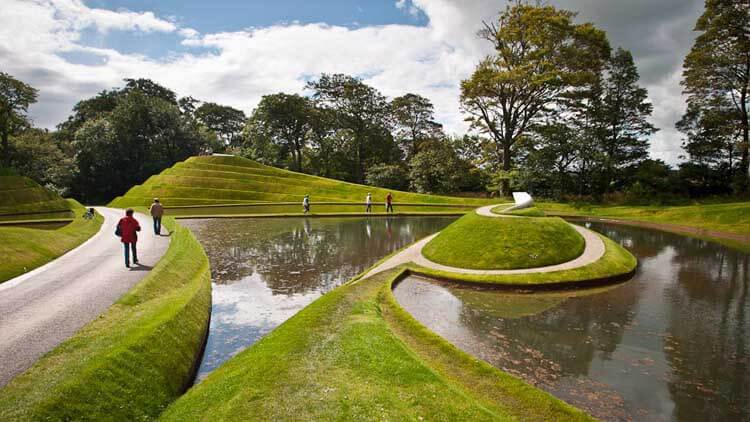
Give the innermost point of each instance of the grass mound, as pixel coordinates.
(486, 243)
(24, 249)
(524, 212)
(213, 180)
(354, 354)
(132, 361)
(23, 199)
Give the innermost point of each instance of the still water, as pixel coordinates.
(671, 344)
(265, 270)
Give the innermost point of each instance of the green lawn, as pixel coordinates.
(23, 199)
(355, 354)
(24, 249)
(487, 243)
(132, 361)
(235, 180)
(524, 212)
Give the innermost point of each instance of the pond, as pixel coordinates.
(265, 270)
(670, 344)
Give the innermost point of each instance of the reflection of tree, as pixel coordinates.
(646, 243)
(708, 327)
(300, 255)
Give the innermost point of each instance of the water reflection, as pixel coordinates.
(265, 270)
(671, 344)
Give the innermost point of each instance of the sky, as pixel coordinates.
(234, 52)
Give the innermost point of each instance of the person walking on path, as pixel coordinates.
(389, 203)
(127, 228)
(157, 211)
(368, 202)
(306, 204)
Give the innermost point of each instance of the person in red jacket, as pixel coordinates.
(128, 227)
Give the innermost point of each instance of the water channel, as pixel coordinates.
(671, 344)
(265, 270)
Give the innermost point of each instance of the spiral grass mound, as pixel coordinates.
(486, 243)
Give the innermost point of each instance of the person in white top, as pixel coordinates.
(306, 204)
(368, 201)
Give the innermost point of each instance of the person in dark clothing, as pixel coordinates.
(128, 227)
(157, 211)
(389, 203)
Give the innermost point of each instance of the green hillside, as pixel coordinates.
(23, 199)
(250, 187)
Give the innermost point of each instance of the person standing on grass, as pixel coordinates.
(389, 203)
(127, 228)
(306, 204)
(368, 202)
(157, 211)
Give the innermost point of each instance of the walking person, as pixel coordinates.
(368, 202)
(389, 203)
(157, 211)
(127, 229)
(306, 204)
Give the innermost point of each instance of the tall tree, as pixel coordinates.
(414, 119)
(227, 122)
(717, 70)
(540, 55)
(285, 121)
(15, 99)
(363, 111)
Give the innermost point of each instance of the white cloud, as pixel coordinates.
(237, 68)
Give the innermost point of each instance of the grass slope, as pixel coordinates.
(132, 361)
(23, 199)
(354, 354)
(24, 249)
(487, 243)
(234, 180)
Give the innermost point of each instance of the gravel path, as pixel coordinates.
(593, 251)
(44, 307)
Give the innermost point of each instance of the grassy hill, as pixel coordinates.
(23, 199)
(240, 185)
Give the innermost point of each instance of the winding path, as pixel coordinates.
(44, 307)
(592, 252)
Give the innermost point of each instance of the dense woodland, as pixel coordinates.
(556, 111)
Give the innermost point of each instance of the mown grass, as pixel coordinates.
(616, 263)
(21, 195)
(227, 180)
(132, 361)
(24, 249)
(486, 243)
(524, 212)
(355, 355)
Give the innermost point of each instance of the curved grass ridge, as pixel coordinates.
(354, 354)
(133, 360)
(22, 198)
(486, 243)
(616, 264)
(23, 249)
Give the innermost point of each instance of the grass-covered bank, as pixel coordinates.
(502, 243)
(728, 223)
(133, 360)
(23, 199)
(354, 355)
(26, 248)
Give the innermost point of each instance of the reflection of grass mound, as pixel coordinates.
(235, 180)
(23, 199)
(487, 243)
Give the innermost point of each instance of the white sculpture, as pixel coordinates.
(522, 200)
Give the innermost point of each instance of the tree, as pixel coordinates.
(37, 155)
(540, 55)
(285, 121)
(227, 122)
(15, 99)
(391, 176)
(436, 168)
(717, 71)
(414, 120)
(150, 89)
(361, 110)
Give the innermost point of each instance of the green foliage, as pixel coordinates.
(225, 121)
(389, 176)
(133, 360)
(38, 155)
(436, 168)
(15, 99)
(488, 243)
(414, 119)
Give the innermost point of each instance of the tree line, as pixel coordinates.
(555, 110)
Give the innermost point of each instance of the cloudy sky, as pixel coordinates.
(233, 52)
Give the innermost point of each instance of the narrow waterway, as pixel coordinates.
(265, 270)
(671, 344)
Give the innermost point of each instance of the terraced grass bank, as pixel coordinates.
(132, 361)
(354, 354)
(486, 243)
(23, 199)
(219, 185)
